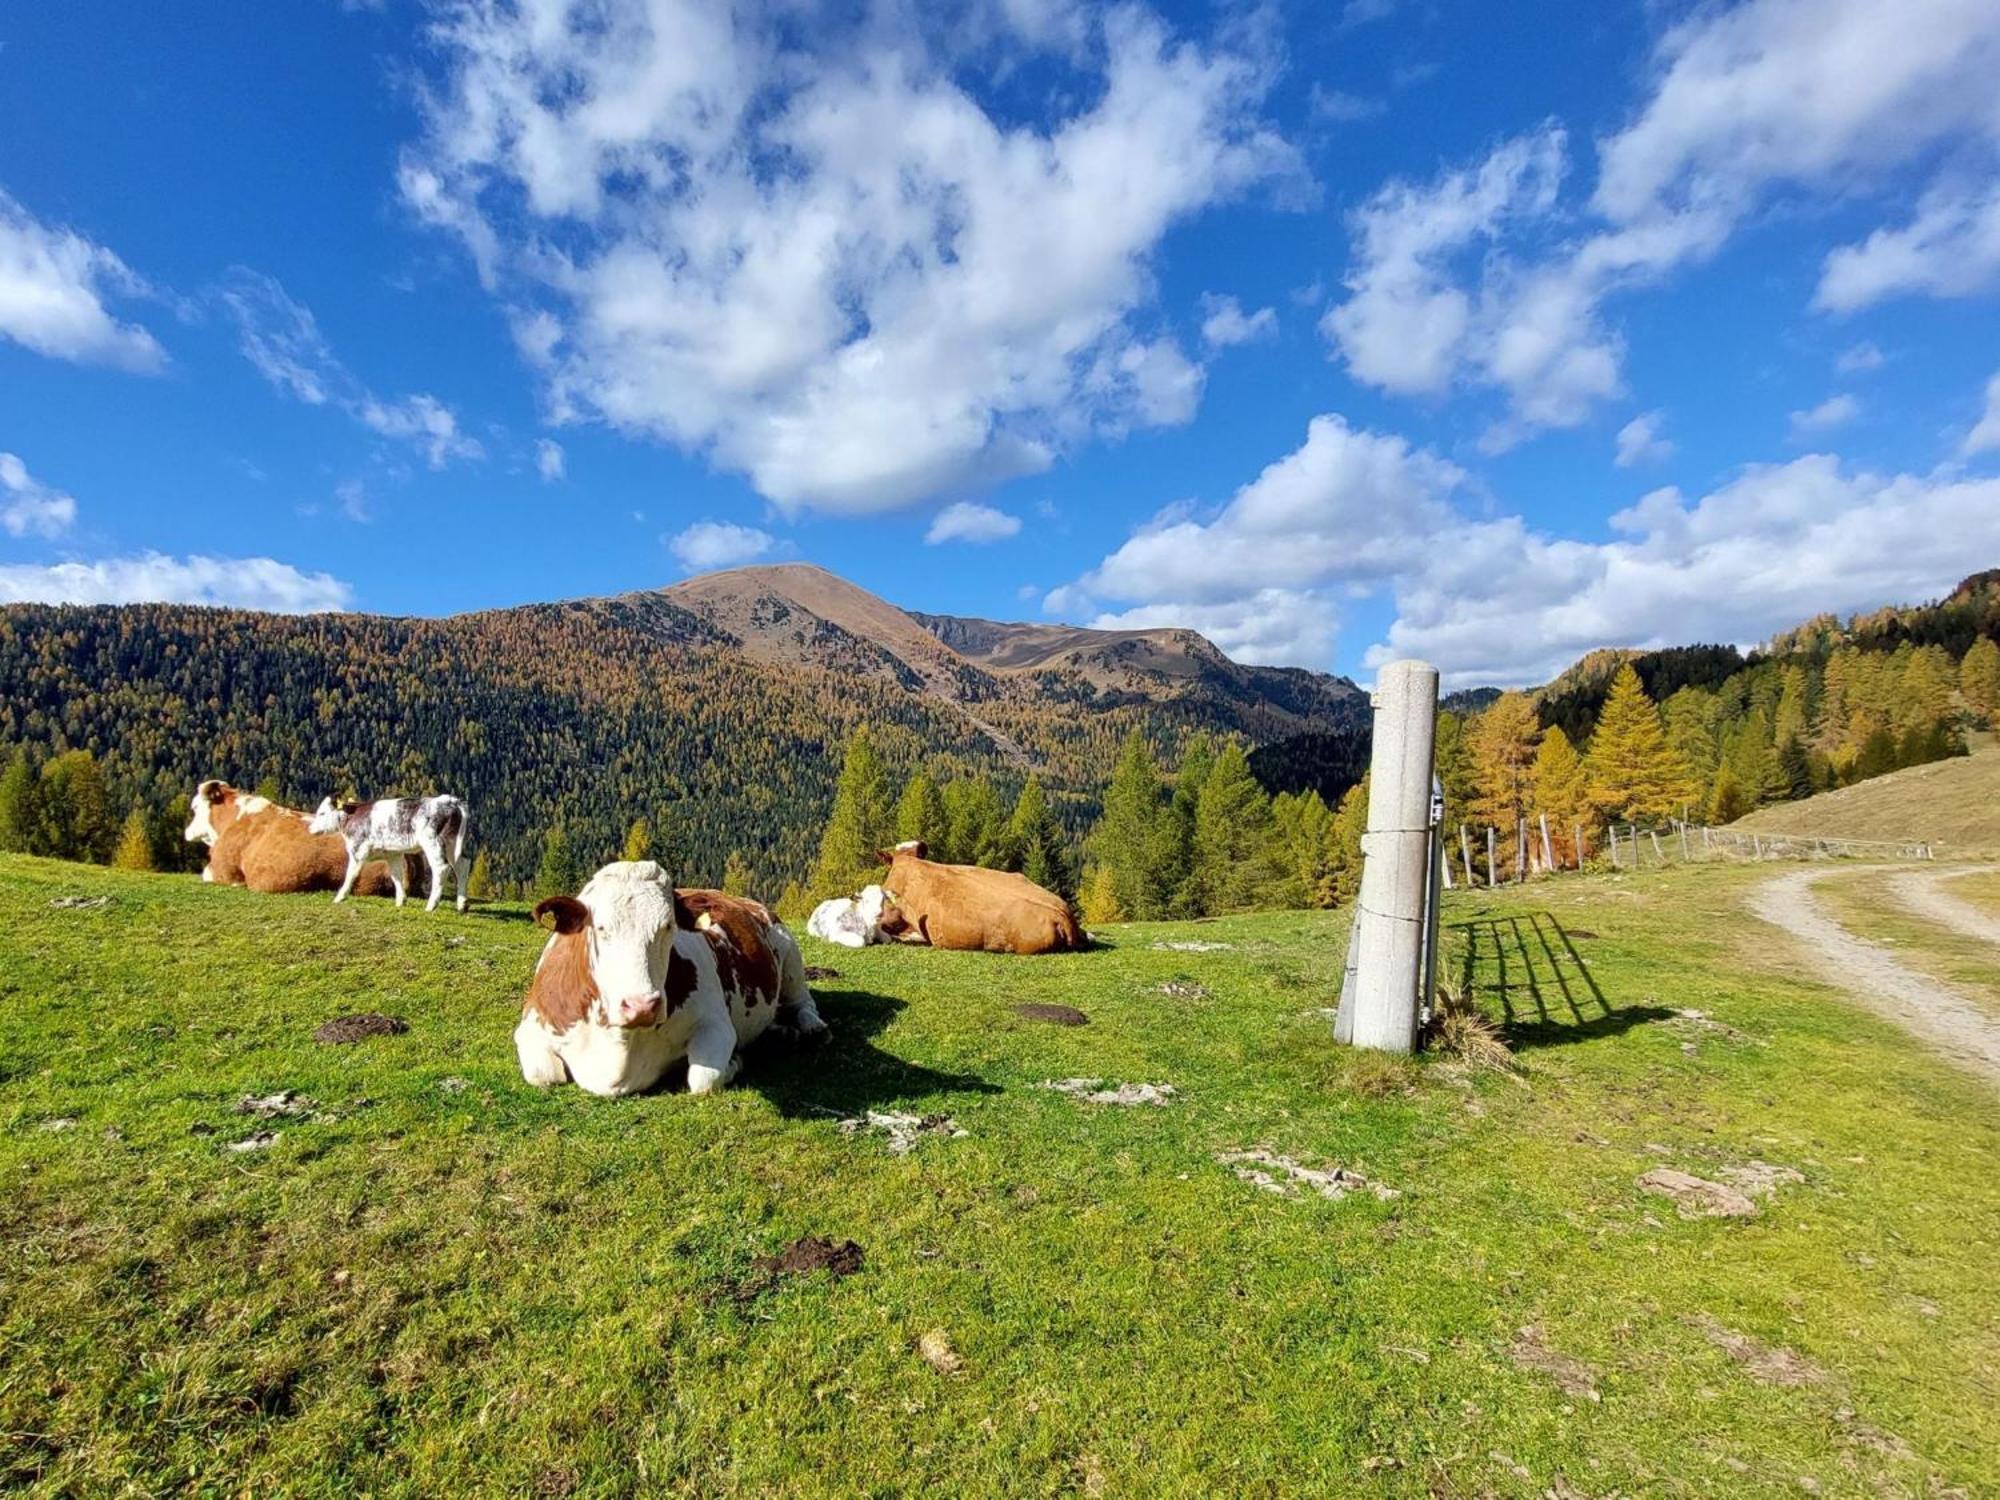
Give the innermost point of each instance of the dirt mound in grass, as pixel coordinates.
(343, 1029)
(1055, 1015)
(805, 1255)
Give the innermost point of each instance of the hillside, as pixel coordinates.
(1953, 804)
(716, 708)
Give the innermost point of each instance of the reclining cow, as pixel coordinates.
(253, 841)
(970, 907)
(638, 975)
(436, 827)
(851, 921)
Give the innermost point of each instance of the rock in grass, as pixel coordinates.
(903, 1130)
(1263, 1168)
(1055, 1015)
(1093, 1091)
(282, 1104)
(263, 1140)
(344, 1029)
(1697, 1196)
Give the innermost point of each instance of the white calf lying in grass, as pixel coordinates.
(851, 921)
(438, 827)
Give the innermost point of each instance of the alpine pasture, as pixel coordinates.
(240, 1259)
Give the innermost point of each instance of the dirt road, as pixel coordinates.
(1922, 891)
(1872, 976)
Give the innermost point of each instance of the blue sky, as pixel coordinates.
(1337, 331)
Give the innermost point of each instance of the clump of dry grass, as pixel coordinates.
(1460, 1030)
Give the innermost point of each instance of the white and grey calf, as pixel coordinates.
(436, 827)
(638, 975)
(851, 921)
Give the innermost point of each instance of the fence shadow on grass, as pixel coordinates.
(1527, 967)
(847, 1073)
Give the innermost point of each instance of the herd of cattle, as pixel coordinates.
(636, 975)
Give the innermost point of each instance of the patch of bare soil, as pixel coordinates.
(1092, 1091)
(1191, 946)
(1922, 891)
(1265, 1169)
(1761, 1361)
(80, 903)
(1923, 1006)
(1697, 1196)
(1760, 1179)
(1530, 1350)
(1055, 1015)
(344, 1029)
(804, 1256)
(904, 1131)
(817, 972)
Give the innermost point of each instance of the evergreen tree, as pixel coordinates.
(559, 873)
(1125, 841)
(1729, 801)
(1456, 769)
(1036, 833)
(860, 823)
(1308, 850)
(1562, 792)
(1174, 836)
(737, 876)
(75, 815)
(479, 884)
(1634, 772)
(135, 843)
(1795, 767)
(638, 841)
(1690, 717)
(1751, 755)
(922, 814)
(977, 819)
(1979, 680)
(20, 814)
(1789, 720)
(1231, 870)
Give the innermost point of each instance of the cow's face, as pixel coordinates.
(325, 818)
(869, 906)
(626, 916)
(211, 809)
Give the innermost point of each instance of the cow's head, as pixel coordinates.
(911, 848)
(326, 817)
(211, 809)
(869, 906)
(614, 941)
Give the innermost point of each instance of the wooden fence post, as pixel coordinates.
(1492, 869)
(1578, 832)
(1465, 853)
(1548, 849)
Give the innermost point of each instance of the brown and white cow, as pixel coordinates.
(968, 906)
(255, 842)
(638, 975)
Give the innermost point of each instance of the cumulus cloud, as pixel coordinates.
(718, 544)
(1483, 278)
(1354, 515)
(1835, 411)
(281, 339)
(967, 521)
(151, 578)
(813, 253)
(27, 506)
(549, 459)
(53, 287)
(1985, 434)
(1639, 442)
(1224, 324)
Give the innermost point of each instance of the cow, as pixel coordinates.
(851, 921)
(970, 907)
(637, 975)
(255, 842)
(438, 827)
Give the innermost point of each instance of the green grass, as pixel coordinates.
(486, 1289)
(1953, 804)
(1863, 904)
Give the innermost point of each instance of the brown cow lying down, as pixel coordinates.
(967, 906)
(253, 841)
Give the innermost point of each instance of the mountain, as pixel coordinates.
(716, 708)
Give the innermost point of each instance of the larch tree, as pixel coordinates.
(75, 813)
(861, 821)
(1562, 792)
(738, 879)
(479, 884)
(1634, 773)
(20, 818)
(1504, 741)
(977, 820)
(1979, 680)
(1350, 821)
(135, 843)
(638, 841)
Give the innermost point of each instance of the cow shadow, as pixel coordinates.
(847, 1074)
(1528, 968)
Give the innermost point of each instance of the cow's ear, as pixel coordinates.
(348, 807)
(216, 790)
(917, 849)
(684, 915)
(886, 856)
(562, 914)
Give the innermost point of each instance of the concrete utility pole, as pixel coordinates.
(1396, 873)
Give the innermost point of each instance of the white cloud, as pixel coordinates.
(27, 506)
(967, 521)
(1827, 95)
(1858, 359)
(833, 269)
(282, 341)
(548, 459)
(1985, 434)
(1639, 442)
(352, 497)
(1225, 324)
(150, 578)
(1354, 515)
(1835, 411)
(1950, 248)
(718, 544)
(1337, 106)
(53, 285)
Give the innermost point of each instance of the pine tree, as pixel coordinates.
(1035, 832)
(638, 841)
(1174, 835)
(1232, 837)
(1634, 772)
(1562, 792)
(860, 823)
(135, 843)
(559, 873)
(1456, 769)
(1795, 767)
(1125, 841)
(1307, 850)
(737, 877)
(479, 884)
(75, 814)
(922, 814)
(20, 816)
(1979, 680)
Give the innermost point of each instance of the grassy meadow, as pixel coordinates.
(436, 1280)
(1954, 804)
